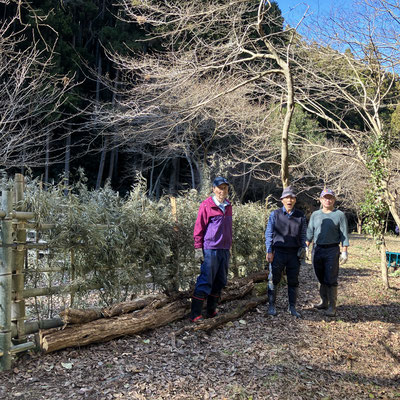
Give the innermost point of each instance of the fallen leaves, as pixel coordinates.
(255, 357)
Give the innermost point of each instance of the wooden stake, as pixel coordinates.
(18, 306)
(6, 282)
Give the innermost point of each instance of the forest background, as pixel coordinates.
(180, 92)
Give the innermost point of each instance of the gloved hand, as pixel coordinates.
(301, 253)
(343, 257)
(198, 255)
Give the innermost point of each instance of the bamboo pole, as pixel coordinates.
(72, 294)
(6, 282)
(47, 291)
(18, 305)
(173, 284)
(35, 326)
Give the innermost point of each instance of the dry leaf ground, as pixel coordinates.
(353, 356)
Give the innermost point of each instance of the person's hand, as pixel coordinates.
(198, 255)
(343, 257)
(270, 257)
(301, 253)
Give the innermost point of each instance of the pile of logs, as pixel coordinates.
(83, 327)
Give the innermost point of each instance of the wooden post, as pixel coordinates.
(72, 277)
(173, 284)
(6, 282)
(18, 305)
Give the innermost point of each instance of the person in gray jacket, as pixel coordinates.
(328, 230)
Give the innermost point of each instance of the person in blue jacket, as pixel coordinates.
(212, 241)
(285, 238)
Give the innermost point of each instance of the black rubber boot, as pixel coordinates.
(332, 298)
(197, 307)
(212, 302)
(272, 300)
(323, 292)
(292, 293)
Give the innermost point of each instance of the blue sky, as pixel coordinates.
(293, 10)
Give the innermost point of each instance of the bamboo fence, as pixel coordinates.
(15, 223)
(13, 327)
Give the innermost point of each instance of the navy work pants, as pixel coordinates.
(284, 259)
(213, 273)
(326, 264)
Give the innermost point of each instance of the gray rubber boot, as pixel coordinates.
(323, 292)
(332, 298)
(292, 293)
(271, 300)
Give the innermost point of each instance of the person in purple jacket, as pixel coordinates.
(212, 243)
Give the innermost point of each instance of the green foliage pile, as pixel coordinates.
(125, 246)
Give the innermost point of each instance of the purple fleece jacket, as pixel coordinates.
(213, 228)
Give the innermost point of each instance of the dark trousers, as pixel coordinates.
(284, 259)
(213, 272)
(326, 264)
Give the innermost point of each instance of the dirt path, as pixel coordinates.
(353, 356)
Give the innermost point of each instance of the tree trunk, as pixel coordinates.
(150, 183)
(101, 164)
(157, 183)
(391, 203)
(67, 164)
(384, 269)
(98, 87)
(173, 177)
(114, 149)
(191, 169)
(359, 224)
(47, 162)
(286, 72)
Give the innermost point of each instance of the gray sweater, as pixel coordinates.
(328, 228)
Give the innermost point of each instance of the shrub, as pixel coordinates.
(123, 246)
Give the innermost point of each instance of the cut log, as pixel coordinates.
(106, 329)
(159, 312)
(237, 290)
(133, 305)
(76, 316)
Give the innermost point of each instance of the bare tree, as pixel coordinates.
(350, 83)
(31, 97)
(207, 51)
